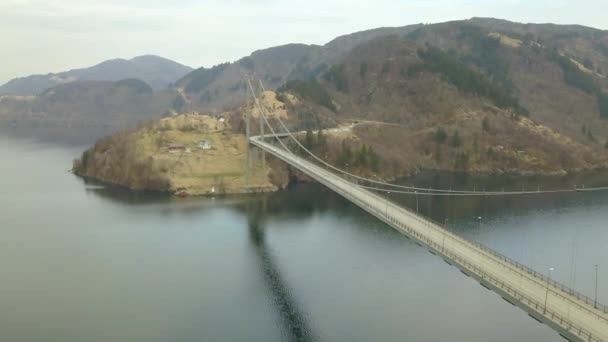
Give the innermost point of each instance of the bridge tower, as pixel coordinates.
(261, 110)
(263, 155)
(247, 133)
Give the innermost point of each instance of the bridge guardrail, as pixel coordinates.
(544, 278)
(531, 303)
(582, 297)
(566, 324)
(601, 307)
(528, 301)
(540, 278)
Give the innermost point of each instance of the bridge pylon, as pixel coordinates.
(252, 90)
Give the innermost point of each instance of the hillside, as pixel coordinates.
(156, 71)
(557, 73)
(464, 97)
(198, 154)
(221, 87)
(168, 156)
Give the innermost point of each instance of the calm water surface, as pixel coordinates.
(83, 262)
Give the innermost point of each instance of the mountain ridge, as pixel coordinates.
(157, 71)
(499, 58)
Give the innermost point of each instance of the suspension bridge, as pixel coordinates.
(574, 316)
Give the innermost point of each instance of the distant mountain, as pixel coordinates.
(156, 71)
(417, 76)
(88, 110)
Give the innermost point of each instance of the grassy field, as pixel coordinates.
(220, 169)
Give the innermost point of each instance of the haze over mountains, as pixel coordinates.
(156, 71)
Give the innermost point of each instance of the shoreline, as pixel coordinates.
(419, 178)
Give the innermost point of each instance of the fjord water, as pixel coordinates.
(85, 262)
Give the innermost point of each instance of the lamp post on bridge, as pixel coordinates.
(387, 193)
(443, 240)
(416, 192)
(479, 219)
(595, 302)
(547, 293)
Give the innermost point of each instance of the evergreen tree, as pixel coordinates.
(362, 156)
(440, 135)
(345, 158)
(363, 69)
(374, 160)
(321, 139)
(485, 124)
(309, 140)
(461, 162)
(456, 141)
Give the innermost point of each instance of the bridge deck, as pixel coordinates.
(570, 316)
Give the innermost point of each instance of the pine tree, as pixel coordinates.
(456, 141)
(309, 139)
(485, 124)
(440, 135)
(362, 156)
(374, 160)
(321, 140)
(346, 155)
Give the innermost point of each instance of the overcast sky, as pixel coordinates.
(41, 36)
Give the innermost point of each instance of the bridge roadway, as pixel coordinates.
(571, 317)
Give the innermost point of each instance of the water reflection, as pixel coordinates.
(311, 198)
(518, 226)
(283, 206)
(123, 195)
(295, 324)
(461, 208)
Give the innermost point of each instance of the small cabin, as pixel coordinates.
(175, 148)
(204, 145)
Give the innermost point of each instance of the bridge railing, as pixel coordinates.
(540, 308)
(541, 279)
(544, 278)
(526, 300)
(582, 297)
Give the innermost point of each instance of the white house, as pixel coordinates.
(204, 145)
